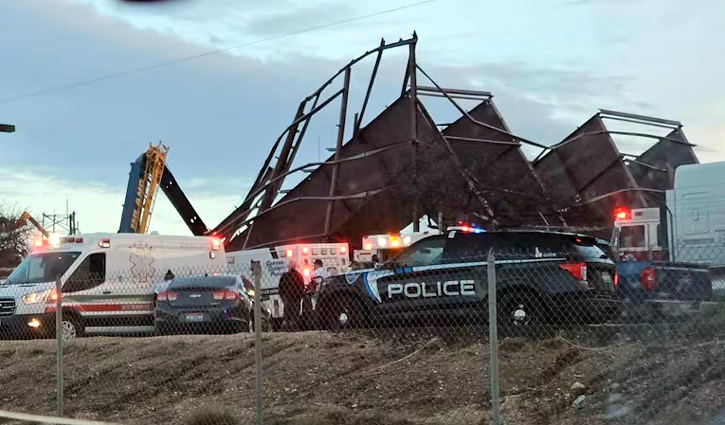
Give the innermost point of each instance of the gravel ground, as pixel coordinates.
(329, 379)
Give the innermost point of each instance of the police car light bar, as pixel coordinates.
(466, 229)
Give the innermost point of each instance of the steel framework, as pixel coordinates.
(345, 196)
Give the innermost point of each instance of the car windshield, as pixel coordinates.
(39, 268)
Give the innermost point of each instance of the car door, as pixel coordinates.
(407, 285)
(83, 292)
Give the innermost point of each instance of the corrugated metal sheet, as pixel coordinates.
(512, 189)
(586, 165)
(294, 217)
(665, 156)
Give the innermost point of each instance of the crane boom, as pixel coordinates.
(143, 184)
(27, 217)
(148, 173)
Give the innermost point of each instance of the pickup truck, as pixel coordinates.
(661, 288)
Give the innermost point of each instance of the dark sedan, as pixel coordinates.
(205, 303)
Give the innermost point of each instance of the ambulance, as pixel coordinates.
(385, 246)
(107, 281)
(274, 261)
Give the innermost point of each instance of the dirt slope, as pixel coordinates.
(328, 379)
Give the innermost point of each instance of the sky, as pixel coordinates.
(89, 84)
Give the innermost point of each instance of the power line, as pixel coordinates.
(205, 54)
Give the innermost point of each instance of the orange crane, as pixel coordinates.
(25, 217)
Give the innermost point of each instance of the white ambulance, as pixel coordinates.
(385, 246)
(107, 281)
(274, 262)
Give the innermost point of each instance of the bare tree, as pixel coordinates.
(14, 235)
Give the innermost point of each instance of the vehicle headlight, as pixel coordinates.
(250, 292)
(36, 297)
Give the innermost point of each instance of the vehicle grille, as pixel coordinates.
(7, 307)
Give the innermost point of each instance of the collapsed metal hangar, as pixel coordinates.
(380, 177)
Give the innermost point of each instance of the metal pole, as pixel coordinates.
(257, 273)
(59, 344)
(493, 338)
(338, 149)
(414, 129)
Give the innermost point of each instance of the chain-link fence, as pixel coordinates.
(460, 328)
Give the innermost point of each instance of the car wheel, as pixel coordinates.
(344, 313)
(519, 314)
(276, 324)
(72, 327)
(161, 330)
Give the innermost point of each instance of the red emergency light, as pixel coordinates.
(216, 244)
(622, 213)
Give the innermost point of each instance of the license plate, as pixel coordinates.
(194, 317)
(607, 277)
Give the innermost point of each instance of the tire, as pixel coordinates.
(266, 326)
(519, 314)
(344, 313)
(276, 324)
(72, 327)
(161, 330)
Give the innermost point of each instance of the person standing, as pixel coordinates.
(291, 290)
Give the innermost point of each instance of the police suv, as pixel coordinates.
(540, 277)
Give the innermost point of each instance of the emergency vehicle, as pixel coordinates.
(672, 253)
(275, 261)
(107, 281)
(385, 246)
(689, 227)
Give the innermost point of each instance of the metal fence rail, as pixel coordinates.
(10, 417)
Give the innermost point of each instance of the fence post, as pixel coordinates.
(257, 273)
(493, 338)
(59, 344)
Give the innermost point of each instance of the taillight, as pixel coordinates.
(648, 279)
(53, 296)
(306, 272)
(578, 270)
(616, 279)
(167, 296)
(225, 295)
(343, 250)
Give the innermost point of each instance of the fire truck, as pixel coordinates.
(671, 253)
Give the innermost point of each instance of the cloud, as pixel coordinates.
(297, 19)
(98, 206)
